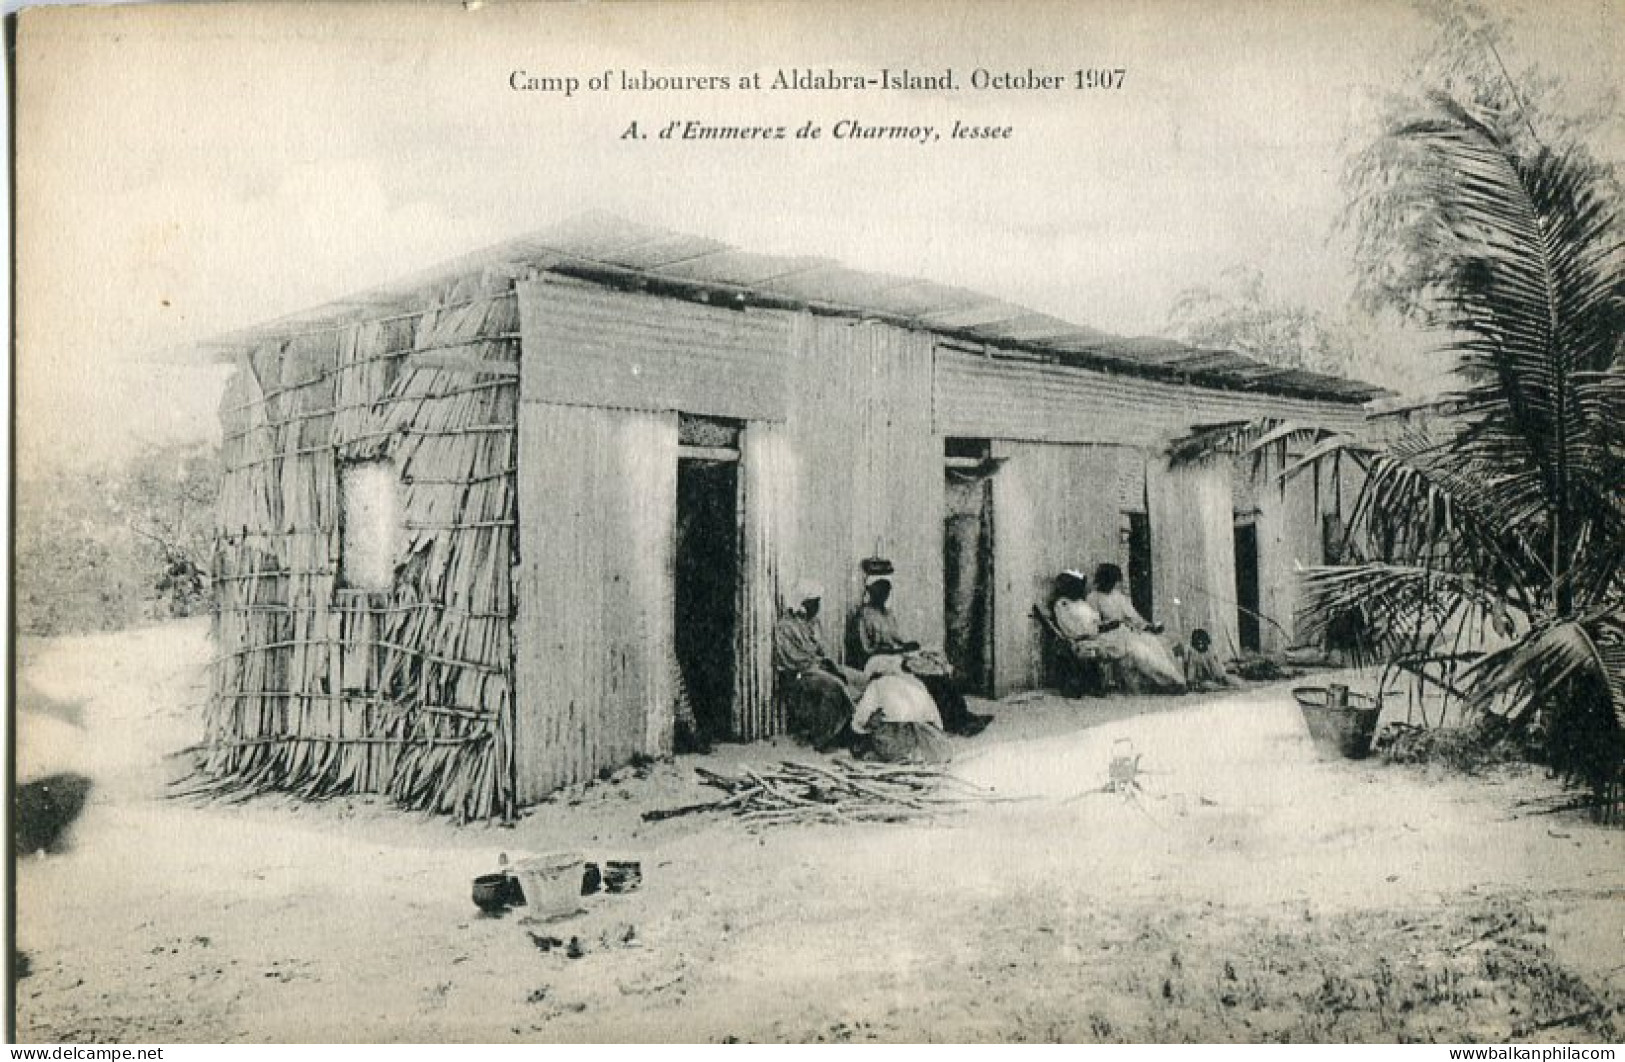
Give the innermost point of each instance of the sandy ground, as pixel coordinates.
(1252, 892)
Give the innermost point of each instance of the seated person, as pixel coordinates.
(819, 694)
(897, 721)
(1202, 663)
(1145, 661)
(1078, 626)
(1075, 618)
(883, 650)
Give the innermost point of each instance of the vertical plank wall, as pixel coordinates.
(594, 644)
(1193, 549)
(870, 475)
(1039, 409)
(767, 487)
(1290, 536)
(1288, 543)
(841, 458)
(1054, 507)
(604, 375)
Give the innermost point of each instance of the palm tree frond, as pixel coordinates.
(1286, 432)
(1536, 286)
(1524, 672)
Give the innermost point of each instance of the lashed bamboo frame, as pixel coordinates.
(322, 690)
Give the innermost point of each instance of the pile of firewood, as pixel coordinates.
(839, 791)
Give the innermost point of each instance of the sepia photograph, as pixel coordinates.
(828, 522)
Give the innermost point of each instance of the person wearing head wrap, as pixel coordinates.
(1090, 663)
(882, 649)
(1075, 617)
(819, 695)
(877, 629)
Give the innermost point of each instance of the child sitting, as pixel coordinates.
(1202, 663)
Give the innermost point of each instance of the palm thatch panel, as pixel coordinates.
(324, 689)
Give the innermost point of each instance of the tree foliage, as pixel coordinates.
(1473, 58)
(104, 549)
(1508, 516)
(1241, 314)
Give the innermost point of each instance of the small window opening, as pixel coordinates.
(370, 525)
(707, 438)
(968, 455)
(980, 449)
(695, 430)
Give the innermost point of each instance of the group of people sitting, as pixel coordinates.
(898, 706)
(1102, 628)
(902, 698)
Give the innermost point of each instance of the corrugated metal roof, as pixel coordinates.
(614, 250)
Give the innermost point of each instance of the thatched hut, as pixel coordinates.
(476, 527)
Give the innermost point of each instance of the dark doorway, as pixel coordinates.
(706, 586)
(1247, 586)
(967, 569)
(1139, 563)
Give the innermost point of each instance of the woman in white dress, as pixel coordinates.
(1146, 661)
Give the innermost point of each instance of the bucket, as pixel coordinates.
(1341, 723)
(491, 892)
(551, 884)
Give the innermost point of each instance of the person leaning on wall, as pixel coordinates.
(1145, 662)
(819, 695)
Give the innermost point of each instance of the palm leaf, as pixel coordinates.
(1574, 668)
(1399, 603)
(1285, 432)
(1254, 438)
(1420, 621)
(1333, 445)
(1536, 296)
(1524, 671)
(1416, 507)
(1510, 512)
(1206, 441)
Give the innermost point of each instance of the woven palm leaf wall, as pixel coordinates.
(322, 688)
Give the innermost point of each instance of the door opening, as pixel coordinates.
(967, 569)
(1247, 598)
(706, 585)
(1139, 563)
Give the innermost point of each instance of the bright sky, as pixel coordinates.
(191, 170)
